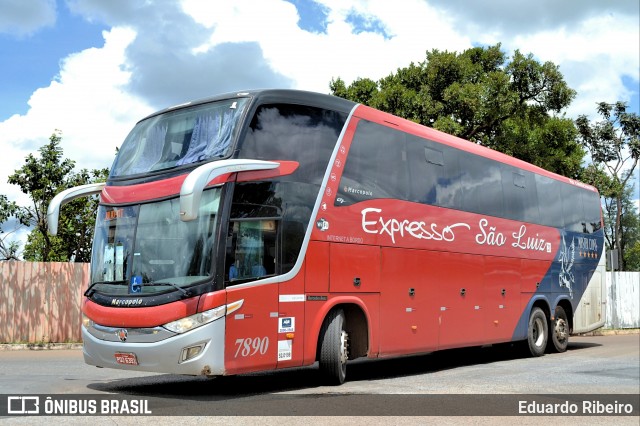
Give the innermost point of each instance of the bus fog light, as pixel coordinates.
(191, 352)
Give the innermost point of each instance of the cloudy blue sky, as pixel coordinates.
(92, 68)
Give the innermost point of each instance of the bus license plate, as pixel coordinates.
(126, 358)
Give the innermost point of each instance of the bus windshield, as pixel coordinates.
(146, 249)
(180, 137)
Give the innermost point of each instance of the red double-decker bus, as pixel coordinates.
(277, 228)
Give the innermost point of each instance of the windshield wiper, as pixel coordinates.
(90, 290)
(185, 293)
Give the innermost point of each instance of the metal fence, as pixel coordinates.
(623, 300)
(40, 302)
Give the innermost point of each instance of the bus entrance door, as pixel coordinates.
(251, 331)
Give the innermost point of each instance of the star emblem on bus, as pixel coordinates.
(122, 334)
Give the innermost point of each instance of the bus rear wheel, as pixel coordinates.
(537, 332)
(334, 348)
(559, 331)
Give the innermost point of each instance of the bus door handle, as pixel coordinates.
(463, 291)
(356, 282)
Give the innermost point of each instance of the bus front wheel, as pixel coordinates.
(537, 332)
(334, 348)
(559, 331)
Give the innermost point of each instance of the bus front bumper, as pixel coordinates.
(165, 356)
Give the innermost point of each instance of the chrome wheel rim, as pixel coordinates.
(560, 330)
(538, 332)
(344, 347)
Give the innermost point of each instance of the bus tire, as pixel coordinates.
(537, 332)
(334, 348)
(559, 331)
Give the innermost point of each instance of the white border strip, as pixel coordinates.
(291, 298)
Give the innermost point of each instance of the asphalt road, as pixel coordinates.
(595, 365)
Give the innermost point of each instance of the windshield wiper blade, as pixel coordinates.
(185, 293)
(90, 290)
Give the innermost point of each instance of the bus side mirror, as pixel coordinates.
(53, 211)
(197, 180)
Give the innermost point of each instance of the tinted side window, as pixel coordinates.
(294, 132)
(482, 185)
(520, 196)
(592, 207)
(376, 166)
(550, 201)
(572, 208)
(257, 200)
(289, 201)
(435, 175)
(251, 250)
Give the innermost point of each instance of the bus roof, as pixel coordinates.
(288, 96)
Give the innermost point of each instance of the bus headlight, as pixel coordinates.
(194, 321)
(87, 322)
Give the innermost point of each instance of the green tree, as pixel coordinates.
(631, 241)
(42, 178)
(629, 230)
(614, 145)
(512, 104)
(8, 250)
(632, 257)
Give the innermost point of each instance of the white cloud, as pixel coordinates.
(313, 59)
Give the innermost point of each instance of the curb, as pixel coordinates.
(612, 332)
(39, 346)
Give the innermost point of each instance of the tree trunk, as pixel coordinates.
(618, 236)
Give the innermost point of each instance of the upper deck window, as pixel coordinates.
(300, 133)
(179, 137)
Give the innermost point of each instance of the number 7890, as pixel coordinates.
(250, 346)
